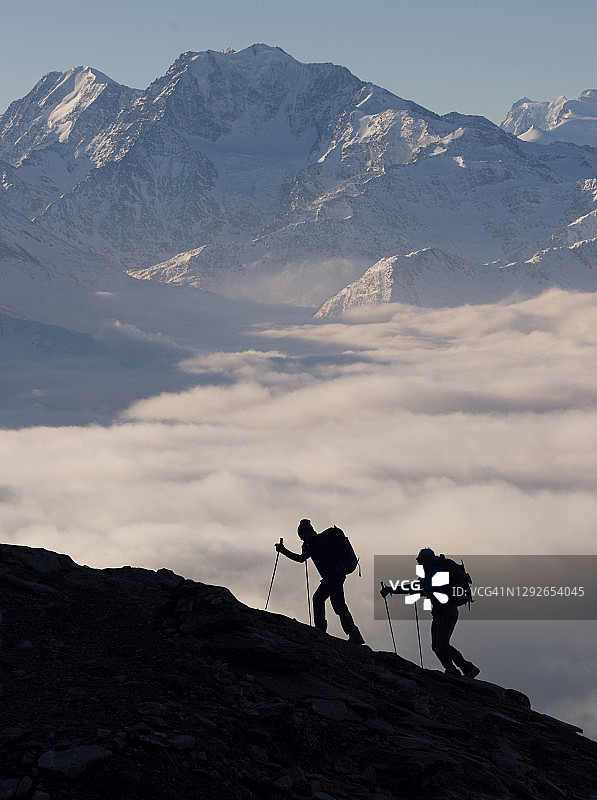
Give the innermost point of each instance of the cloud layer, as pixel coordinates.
(471, 430)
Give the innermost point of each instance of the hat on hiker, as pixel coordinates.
(426, 554)
(305, 528)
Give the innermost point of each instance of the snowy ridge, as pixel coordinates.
(581, 229)
(433, 279)
(428, 277)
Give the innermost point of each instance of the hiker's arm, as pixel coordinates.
(299, 557)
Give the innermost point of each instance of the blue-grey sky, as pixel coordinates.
(473, 56)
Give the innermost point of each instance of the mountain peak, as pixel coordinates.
(247, 54)
(51, 110)
(88, 72)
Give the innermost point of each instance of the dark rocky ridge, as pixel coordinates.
(128, 683)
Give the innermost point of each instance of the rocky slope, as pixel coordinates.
(129, 683)
(254, 175)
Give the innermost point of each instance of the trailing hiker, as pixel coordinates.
(334, 558)
(445, 599)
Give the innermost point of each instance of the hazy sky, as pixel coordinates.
(472, 56)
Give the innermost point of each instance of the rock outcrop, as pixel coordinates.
(128, 683)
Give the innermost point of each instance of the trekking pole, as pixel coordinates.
(308, 594)
(389, 620)
(418, 634)
(273, 575)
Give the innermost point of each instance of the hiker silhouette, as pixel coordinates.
(325, 550)
(444, 615)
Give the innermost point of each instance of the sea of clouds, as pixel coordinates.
(471, 430)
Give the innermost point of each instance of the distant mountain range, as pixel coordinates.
(555, 120)
(256, 176)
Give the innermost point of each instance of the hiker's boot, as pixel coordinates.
(471, 672)
(451, 671)
(355, 637)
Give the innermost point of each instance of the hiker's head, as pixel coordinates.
(426, 556)
(305, 530)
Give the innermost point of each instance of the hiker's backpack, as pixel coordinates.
(343, 549)
(460, 581)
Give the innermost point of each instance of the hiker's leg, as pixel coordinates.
(339, 605)
(441, 630)
(455, 655)
(460, 661)
(466, 667)
(320, 595)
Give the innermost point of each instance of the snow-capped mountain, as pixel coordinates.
(63, 107)
(555, 120)
(405, 182)
(201, 156)
(433, 278)
(52, 138)
(253, 175)
(428, 277)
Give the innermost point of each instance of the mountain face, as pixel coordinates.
(434, 278)
(253, 175)
(526, 114)
(130, 683)
(201, 156)
(428, 277)
(30, 253)
(555, 120)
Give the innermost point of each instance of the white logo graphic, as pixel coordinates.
(439, 579)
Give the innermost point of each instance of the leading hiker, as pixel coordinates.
(444, 615)
(334, 558)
